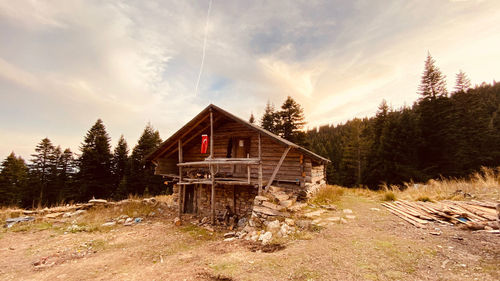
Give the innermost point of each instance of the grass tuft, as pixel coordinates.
(389, 196)
(327, 194)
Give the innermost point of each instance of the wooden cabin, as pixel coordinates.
(242, 161)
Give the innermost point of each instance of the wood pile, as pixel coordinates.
(474, 215)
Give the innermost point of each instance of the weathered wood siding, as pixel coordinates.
(291, 169)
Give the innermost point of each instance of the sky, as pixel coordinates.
(64, 64)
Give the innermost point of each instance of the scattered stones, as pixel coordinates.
(435, 233)
(375, 209)
(347, 211)
(111, 223)
(273, 226)
(290, 222)
(177, 221)
(334, 219)
(266, 237)
(297, 207)
(342, 220)
(54, 215)
(303, 224)
(261, 198)
(229, 234)
(329, 207)
(128, 222)
(272, 206)
(314, 213)
(286, 203)
(230, 239)
(351, 217)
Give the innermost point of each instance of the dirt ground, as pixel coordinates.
(374, 246)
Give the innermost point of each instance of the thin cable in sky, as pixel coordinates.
(204, 48)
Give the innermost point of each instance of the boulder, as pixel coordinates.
(284, 230)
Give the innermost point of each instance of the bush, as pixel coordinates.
(389, 196)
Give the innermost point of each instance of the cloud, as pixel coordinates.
(66, 63)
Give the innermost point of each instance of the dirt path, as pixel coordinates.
(374, 246)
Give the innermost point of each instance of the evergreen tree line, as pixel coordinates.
(54, 175)
(442, 134)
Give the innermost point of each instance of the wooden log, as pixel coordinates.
(277, 167)
(403, 216)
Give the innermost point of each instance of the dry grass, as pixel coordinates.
(328, 194)
(483, 185)
(480, 185)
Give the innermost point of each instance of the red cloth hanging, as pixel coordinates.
(204, 144)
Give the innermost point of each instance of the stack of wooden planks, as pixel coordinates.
(472, 214)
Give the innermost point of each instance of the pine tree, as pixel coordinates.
(433, 82)
(120, 167)
(66, 176)
(95, 163)
(292, 121)
(13, 180)
(251, 119)
(42, 167)
(270, 118)
(142, 178)
(462, 82)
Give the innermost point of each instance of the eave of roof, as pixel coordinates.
(285, 142)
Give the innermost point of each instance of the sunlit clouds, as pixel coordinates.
(63, 64)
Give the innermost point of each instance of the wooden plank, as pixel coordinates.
(180, 158)
(277, 167)
(404, 217)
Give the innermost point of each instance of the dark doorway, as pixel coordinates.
(189, 199)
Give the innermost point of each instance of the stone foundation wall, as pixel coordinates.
(239, 198)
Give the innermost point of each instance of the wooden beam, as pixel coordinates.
(248, 169)
(275, 172)
(247, 161)
(212, 197)
(180, 158)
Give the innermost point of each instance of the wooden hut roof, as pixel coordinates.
(172, 140)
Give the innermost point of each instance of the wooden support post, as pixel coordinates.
(180, 198)
(260, 167)
(277, 168)
(248, 169)
(211, 134)
(234, 199)
(212, 172)
(302, 171)
(212, 198)
(180, 159)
